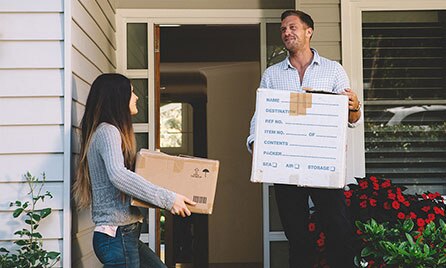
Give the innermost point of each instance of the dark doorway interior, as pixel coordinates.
(186, 240)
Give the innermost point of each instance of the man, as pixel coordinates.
(302, 69)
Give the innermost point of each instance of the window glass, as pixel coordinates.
(137, 50)
(140, 87)
(405, 97)
(176, 126)
(142, 141)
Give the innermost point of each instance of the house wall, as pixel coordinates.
(32, 111)
(327, 19)
(93, 52)
(206, 4)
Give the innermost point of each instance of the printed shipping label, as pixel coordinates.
(300, 138)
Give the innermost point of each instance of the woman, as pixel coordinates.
(105, 179)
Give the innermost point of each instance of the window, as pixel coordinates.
(404, 74)
(176, 128)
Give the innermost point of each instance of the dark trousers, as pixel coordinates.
(292, 202)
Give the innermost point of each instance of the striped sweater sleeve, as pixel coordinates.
(109, 142)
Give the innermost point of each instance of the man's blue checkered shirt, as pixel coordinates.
(322, 74)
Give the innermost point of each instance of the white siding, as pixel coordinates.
(93, 52)
(327, 23)
(31, 110)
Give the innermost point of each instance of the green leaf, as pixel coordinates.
(442, 260)
(29, 221)
(37, 235)
(45, 212)
(4, 250)
(366, 252)
(426, 249)
(17, 212)
(53, 255)
(20, 242)
(408, 225)
(49, 194)
(409, 238)
(36, 217)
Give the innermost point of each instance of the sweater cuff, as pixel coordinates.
(166, 198)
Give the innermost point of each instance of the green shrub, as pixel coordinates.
(30, 252)
(400, 245)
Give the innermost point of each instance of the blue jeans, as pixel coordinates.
(125, 249)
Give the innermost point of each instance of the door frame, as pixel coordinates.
(189, 17)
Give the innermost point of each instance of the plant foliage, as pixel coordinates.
(30, 251)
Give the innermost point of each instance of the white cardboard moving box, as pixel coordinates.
(300, 138)
(193, 177)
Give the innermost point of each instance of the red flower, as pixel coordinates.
(363, 204)
(371, 263)
(375, 186)
(401, 215)
(311, 227)
(395, 205)
(391, 196)
(412, 215)
(386, 184)
(401, 198)
(363, 196)
(322, 235)
(348, 194)
(424, 196)
(431, 196)
(406, 203)
(439, 211)
(372, 202)
(420, 222)
(386, 205)
(425, 208)
(374, 179)
(363, 184)
(320, 242)
(431, 216)
(359, 232)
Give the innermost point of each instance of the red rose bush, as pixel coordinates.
(394, 229)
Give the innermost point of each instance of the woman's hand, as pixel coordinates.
(179, 206)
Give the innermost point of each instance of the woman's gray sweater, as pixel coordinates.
(109, 177)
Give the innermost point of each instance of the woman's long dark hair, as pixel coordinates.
(108, 101)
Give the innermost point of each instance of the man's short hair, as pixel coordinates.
(304, 17)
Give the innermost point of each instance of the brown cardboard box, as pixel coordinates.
(193, 177)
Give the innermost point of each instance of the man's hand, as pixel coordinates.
(179, 206)
(354, 105)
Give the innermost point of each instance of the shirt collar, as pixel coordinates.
(316, 59)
